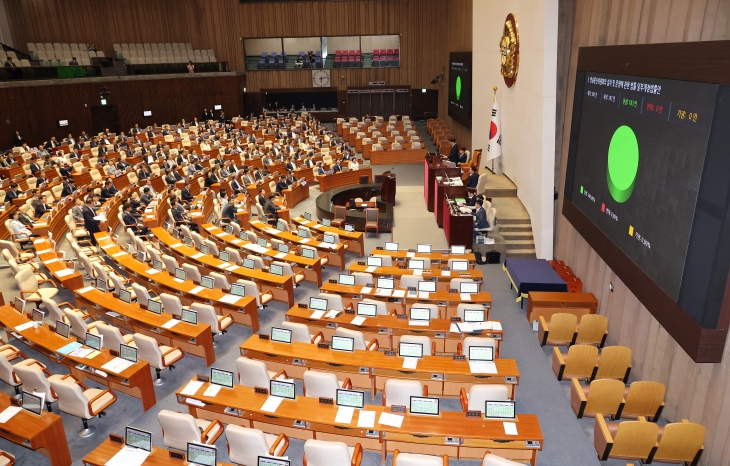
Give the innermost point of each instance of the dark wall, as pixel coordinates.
(35, 110)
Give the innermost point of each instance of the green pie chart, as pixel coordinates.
(458, 87)
(623, 163)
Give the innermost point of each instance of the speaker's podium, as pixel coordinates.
(387, 187)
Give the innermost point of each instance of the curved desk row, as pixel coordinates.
(355, 238)
(436, 257)
(443, 277)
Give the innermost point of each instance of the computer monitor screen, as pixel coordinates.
(459, 266)
(138, 438)
(326, 222)
(147, 113)
(420, 313)
(261, 242)
(37, 316)
(469, 287)
(302, 232)
(224, 256)
(385, 283)
(202, 455)
(281, 226)
(248, 263)
(367, 309)
(282, 389)
(282, 335)
(100, 284)
(62, 328)
(93, 341)
(350, 398)
(154, 306)
(141, 256)
(283, 248)
(499, 409)
(415, 264)
(228, 229)
(221, 377)
(217, 107)
(189, 316)
(308, 253)
(481, 353)
(188, 241)
(125, 296)
(424, 248)
(266, 461)
(345, 279)
(349, 227)
(329, 239)
(308, 216)
(427, 286)
(204, 248)
(343, 343)
(180, 273)
(318, 304)
(243, 235)
(238, 290)
(128, 353)
(19, 305)
(474, 315)
(374, 261)
(458, 250)
(391, 246)
(32, 403)
(207, 282)
(424, 405)
(276, 269)
(410, 350)
(157, 265)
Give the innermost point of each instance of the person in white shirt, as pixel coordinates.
(18, 228)
(353, 165)
(204, 146)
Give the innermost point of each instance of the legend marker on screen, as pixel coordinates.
(631, 230)
(581, 189)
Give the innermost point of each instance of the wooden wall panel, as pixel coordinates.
(698, 392)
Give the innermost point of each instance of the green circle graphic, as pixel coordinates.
(458, 87)
(623, 163)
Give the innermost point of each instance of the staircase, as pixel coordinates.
(515, 226)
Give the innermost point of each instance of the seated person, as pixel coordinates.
(179, 215)
(281, 184)
(271, 209)
(228, 214)
(130, 221)
(69, 187)
(108, 191)
(480, 220)
(185, 193)
(17, 227)
(473, 180)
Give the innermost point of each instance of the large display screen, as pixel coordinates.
(460, 87)
(640, 156)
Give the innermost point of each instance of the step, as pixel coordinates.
(513, 221)
(500, 192)
(503, 228)
(521, 253)
(519, 244)
(516, 235)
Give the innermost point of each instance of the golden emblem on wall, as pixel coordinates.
(509, 47)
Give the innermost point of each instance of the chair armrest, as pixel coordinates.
(282, 450)
(279, 374)
(175, 348)
(204, 434)
(578, 399)
(602, 440)
(347, 384)
(433, 348)
(542, 331)
(393, 312)
(459, 348)
(268, 292)
(558, 363)
(446, 460)
(102, 393)
(357, 455)
(373, 342)
(11, 460)
(84, 316)
(463, 399)
(66, 303)
(318, 337)
(29, 292)
(349, 307)
(425, 390)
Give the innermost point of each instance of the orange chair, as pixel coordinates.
(372, 220)
(340, 216)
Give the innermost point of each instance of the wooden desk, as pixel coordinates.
(135, 381)
(370, 369)
(296, 194)
(311, 268)
(327, 182)
(52, 261)
(243, 311)
(389, 329)
(440, 192)
(437, 257)
(193, 339)
(43, 433)
(440, 276)
(547, 303)
(356, 239)
(390, 157)
(430, 171)
(417, 434)
(282, 287)
(458, 227)
(159, 456)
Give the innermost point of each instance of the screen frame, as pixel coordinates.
(512, 402)
(350, 278)
(375, 307)
(326, 303)
(238, 286)
(361, 393)
(350, 339)
(438, 405)
(468, 356)
(377, 283)
(221, 370)
(136, 353)
(63, 324)
(289, 332)
(294, 395)
(280, 461)
(126, 436)
(461, 289)
(36, 397)
(156, 304)
(400, 345)
(204, 447)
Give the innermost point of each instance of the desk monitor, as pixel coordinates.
(282, 335)
(458, 250)
(374, 261)
(367, 309)
(280, 226)
(32, 403)
(420, 313)
(308, 253)
(424, 405)
(243, 235)
(423, 248)
(350, 398)
(276, 269)
(180, 274)
(37, 316)
(266, 461)
(188, 241)
(217, 222)
(469, 287)
(248, 263)
(385, 283)
(224, 256)
(349, 227)
(238, 290)
(204, 248)
(481, 353)
(228, 229)
(427, 286)
(345, 279)
(154, 307)
(343, 343)
(326, 222)
(128, 353)
(100, 284)
(416, 264)
(329, 239)
(283, 248)
(141, 256)
(221, 377)
(410, 350)
(202, 455)
(459, 266)
(474, 315)
(93, 341)
(19, 305)
(157, 265)
(302, 233)
(207, 282)
(282, 389)
(391, 246)
(189, 316)
(499, 409)
(62, 328)
(125, 296)
(308, 216)
(318, 304)
(262, 242)
(138, 438)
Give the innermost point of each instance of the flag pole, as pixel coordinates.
(493, 100)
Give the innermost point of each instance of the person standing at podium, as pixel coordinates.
(454, 151)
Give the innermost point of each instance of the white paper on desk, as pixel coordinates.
(38, 241)
(280, 255)
(233, 267)
(100, 218)
(221, 234)
(388, 419)
(453, 328)
(332, 314)
(8, 413)
(358, 320)
(117, 254)
(229, 298)
(81, 352)
(43, 251)
(316, 225)
(176, 245)
(212, 390)
(117, 365)
(410, 254)
(496, 325)
(237, 241)
(272, 231)
(399, 293)
(423, 294)
(410, 363)
(179, 280)
(465, 296)
(104, 238)
(418, 272)
(194, 402)
(191, 388)
(51, 261)
(370, 269)
(344, 415)
(128, 456)
(107, 246)
(21, 327)
(383, 292)
(196, 290)
(465, 327)
(305, 240)
(170, 323)
(482, 367)
(418, 323)
(366, 289)
(198, 255)
(366, 419)
(510, 428)
(196, 214)
(446, 273)
(63, 273)
(85, 289)
(151, 271)
(317, 315)
(271, 404)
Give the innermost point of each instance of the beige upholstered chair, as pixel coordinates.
(79, 326)
(494, 460)
(207, 315)
(33, 376)
(29, 287)
(113, 337)
(246, 445)
(358, 339)
(178, 429)
(300, 333)
(475, 399)
(323, 453)
(253, 373)
(171, 304)
(158, 356)
(399, 391)
(323, 384)
(78, 400)
(414, 459)
(252, 289)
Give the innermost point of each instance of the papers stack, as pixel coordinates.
(8, 413)
(482, 367)
(229, 298)
(388, 419)
(191, 388)
(117, 365)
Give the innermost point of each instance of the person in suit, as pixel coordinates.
(471, 198)
(320, 168)
(185, 193)
(18, 140)
(281, 184)
(24, 218)
(210, 179)
(258, 174)
(309, 163)
(144, 172)
(35, 167)
(229, 213)
(122, 165)
(246, 179)
(290, 178)
(454, 151)
(77, 211)
(473, 179)
(107, 191)
(40, 205)
(462, 154)
(261, 198)
(11, 193)
(481, 217)
(336, 167)
(130, 221)
(235, 186)
(51, 143)
(90, 225)
(178, 214)
(150, 133)
(69, 186)
(271, 209)
(146, 197)
(169, 177)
